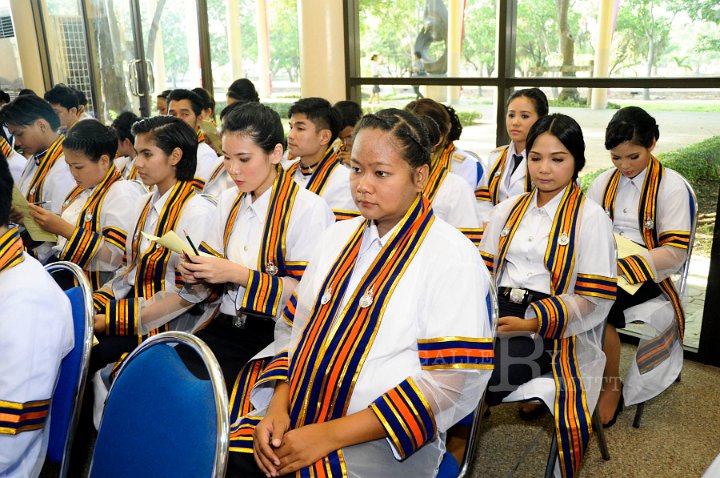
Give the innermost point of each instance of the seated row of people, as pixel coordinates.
(263, 234)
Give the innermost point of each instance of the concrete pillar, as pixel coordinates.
(322, 55)
(454, 45)
(28, 47)
(263, 42)
(234, 39)
(602, 52)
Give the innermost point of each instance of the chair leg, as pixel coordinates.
(552, 457)
(638, 414)
(600, 432)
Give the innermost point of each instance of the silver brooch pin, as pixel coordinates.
(498, 173)
(327, 295)
(367, 299)
(88, 217)
(32, 191)
(271, 268)
(649, 223)
(564, 239)
(505, 232)
(607, 211)
(66, 203)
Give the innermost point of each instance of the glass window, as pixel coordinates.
(11, 79)
(392, 32)
(234, 40)
(67, 45)
(660, 38)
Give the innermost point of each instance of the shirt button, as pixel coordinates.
(625, 210)
(530, 238)
(245, 248)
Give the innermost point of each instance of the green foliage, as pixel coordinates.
(699, 161)
(468, 117)
(284, 38)
(479, 42)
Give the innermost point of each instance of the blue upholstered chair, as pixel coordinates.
(449, 467)
(67, 398)
(163, 418)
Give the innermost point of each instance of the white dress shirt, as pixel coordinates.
(36, 332)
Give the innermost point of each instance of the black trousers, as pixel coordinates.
(518, 359)
(234, 346)
(616, 316)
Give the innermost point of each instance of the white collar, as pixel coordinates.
(551, 206)
(158, 201)
(260, 205)
(637, 180)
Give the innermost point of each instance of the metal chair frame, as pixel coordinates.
(470, 454)
(86, 345)
(216, 378)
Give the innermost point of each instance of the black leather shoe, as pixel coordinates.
(620, 407)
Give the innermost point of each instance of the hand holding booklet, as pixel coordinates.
(173, 242)
(626, 247)
(37, 233)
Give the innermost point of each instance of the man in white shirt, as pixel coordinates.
(187, 105)
(36, 332)
(46, 179)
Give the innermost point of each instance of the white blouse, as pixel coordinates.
(440, 295)
(337, 189)
(195, 218)
(309, 217)
(114, 213)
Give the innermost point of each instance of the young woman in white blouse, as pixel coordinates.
(553, 257)
(372, 379)
(649, 205)
(93, 227)
(507, 173)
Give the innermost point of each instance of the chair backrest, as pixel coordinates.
(693, 227)
(67, 398)
(449, 467)
(160, 418)
(474, 436)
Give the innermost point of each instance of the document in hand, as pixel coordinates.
(173, 242)
(37, 233)
(626, 247)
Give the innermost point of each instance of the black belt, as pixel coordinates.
(521, 296)
(246, 320)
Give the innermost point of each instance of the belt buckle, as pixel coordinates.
(517, 296)
(239, 320)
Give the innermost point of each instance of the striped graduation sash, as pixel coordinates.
(264, 288)
(319, 178)
(653, 352)
(46, 163)
(151, 265)
(335, 343)
(132, 175)
(17, 417)
(85, 241)
(5, 148)
(11, 249)
(491, 192)
(200, 134)
(440, 169)
(572, 416)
